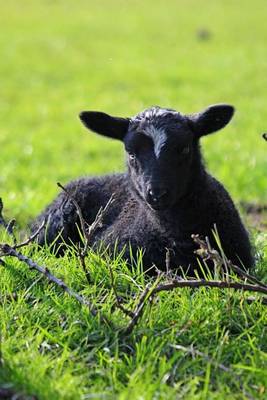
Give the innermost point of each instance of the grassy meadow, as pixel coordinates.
(61, 57)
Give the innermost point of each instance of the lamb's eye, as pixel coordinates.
(185, 150)
(131, 156)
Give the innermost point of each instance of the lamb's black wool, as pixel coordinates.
(165, 196)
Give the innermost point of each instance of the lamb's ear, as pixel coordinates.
(211, 119)
(105, 124)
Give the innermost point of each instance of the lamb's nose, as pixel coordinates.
(156, 194)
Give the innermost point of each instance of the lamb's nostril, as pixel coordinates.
(157, 194)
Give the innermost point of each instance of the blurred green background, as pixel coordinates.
(61, 57)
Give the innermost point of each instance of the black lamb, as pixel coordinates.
(165, 196)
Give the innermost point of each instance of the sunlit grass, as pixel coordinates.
(61, 57)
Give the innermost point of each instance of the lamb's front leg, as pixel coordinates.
(60, 224)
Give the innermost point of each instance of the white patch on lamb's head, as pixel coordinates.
(160, 148)
(161, 125)
(159, 137)
(152, 114)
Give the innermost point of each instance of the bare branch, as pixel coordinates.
(206, 252)
(81, 256)
(31, 238)
(252, 299)
(138, 311)
(81, 252)
(127, 312)
(194, 352)
(99, 217)
(244, 274)
(10, 251)
(87, 230)
(193, 284)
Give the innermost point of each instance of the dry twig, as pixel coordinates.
(147, 293)
(194, 352)
(10, 251)
(206, 252)
(127, 312)
(30, 238)
(193, 284)
(87, 230)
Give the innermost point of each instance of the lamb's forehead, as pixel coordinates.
(159, 123)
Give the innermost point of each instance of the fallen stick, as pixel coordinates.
(9, 251)
(193, 284)
(87, 230)
(208, 253)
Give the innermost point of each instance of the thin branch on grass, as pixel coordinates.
(194, 352)
(9, 251)
(30, 238)
(87, 230)
(207, 253)
(86, 271)
(147, 293)
(81, 252)
(127, 312)
(252, 299)
(194, 284)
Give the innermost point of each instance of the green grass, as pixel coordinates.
(61, 57)
(53, 348)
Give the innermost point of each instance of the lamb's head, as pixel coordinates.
(162, 147)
